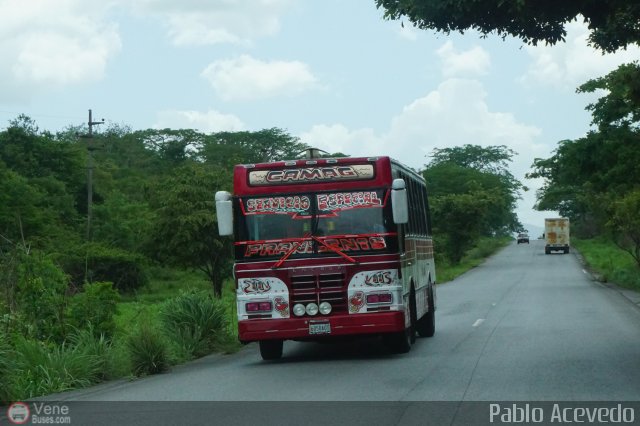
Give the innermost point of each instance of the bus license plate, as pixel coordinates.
(319, 327)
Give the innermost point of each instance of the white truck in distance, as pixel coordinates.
(556, 234)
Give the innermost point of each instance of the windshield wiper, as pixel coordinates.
(293, 248)
(337, 250)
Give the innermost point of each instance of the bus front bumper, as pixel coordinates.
(316, 327)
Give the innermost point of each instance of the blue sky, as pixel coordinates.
(332, 72)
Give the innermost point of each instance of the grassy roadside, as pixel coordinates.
(172, 320)
(608, 262)
(474, 257)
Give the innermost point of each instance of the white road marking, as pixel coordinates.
(478, 322)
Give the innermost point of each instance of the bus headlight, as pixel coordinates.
(325, 308)
(298, 309)
(312, 309)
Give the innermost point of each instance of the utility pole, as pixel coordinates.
(90, 149)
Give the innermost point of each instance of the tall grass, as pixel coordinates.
(7, 357)
(148, 351)
(112, 357)
(484, 248)
(194, 321)
(611, 263)
(41, 369)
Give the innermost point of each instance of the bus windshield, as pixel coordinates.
(330, 216)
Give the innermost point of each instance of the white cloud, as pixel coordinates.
(408, 32)
(568, 65)
(472, 62)
(206, 122)
(246, 78)
(338, 138)
(454, 114)
(197, 22)
(45, 45)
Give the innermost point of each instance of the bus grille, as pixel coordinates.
(320, 288)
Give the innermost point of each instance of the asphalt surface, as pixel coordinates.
(523, 327)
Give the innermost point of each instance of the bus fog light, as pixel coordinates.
(298, 309)
(325, 308)
(312, 309)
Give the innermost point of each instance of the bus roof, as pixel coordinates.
(304, 175)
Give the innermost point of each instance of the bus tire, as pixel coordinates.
(399, 342)
(413, 315)
(271, 349)
(426, 326)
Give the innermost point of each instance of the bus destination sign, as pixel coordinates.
(311, 175)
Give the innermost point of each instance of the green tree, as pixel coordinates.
(490, 159)
(186, 232)
(123, 223)
(41, 296)
(584, 175)
(173, 146)
(251, 147)
(613, 23)
(473, 168)
(94, 309)
(625, 224)
(459, 223)
(472, 194)
(40, 175)
(620, 107)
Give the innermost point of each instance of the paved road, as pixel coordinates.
(524, 326)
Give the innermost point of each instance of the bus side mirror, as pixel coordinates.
(224, 211)
(399, 203)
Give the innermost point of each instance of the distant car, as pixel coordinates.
(523, 238)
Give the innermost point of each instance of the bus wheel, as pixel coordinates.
(426, 326)
(413, 314)
(398, 343)
(270, 349)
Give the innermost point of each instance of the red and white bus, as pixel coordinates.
(330, 247)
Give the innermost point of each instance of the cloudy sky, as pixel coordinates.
(332, 72)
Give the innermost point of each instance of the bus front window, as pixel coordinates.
(350, 221)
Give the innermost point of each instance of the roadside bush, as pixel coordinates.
(148, 350)
(97, 263)
(42, 369)
(194, 321)
(41, 297)
(96, 306)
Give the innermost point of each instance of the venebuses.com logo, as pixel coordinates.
(18, 413)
